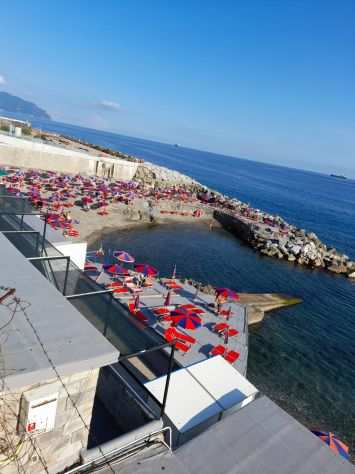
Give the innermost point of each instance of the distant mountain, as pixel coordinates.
(16, 105)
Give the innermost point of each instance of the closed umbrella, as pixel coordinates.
(167, 301)
(136, 302)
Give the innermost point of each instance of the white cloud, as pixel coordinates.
(2, 80)
(108, 105)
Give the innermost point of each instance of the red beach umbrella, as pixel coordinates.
(167, 301)
(227, 293)
(146, 269)
(136, 302)
(190, 321)
(334, 443)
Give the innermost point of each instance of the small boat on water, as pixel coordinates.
(339, 176)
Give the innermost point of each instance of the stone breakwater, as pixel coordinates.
(268, 234)
(150, 175)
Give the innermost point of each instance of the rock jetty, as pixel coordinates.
(268, 234)
(150, 175)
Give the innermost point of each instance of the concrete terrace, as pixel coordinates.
(206, 338)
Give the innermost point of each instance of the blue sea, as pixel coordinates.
(302, 357)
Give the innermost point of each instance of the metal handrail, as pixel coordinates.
(111, 455)
(90, 293)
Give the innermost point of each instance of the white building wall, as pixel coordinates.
(30, 154)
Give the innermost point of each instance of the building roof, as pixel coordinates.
(259, 439)
(70, 341)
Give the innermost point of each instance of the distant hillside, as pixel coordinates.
(16, 105)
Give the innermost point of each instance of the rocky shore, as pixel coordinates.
(164, 195)
(268, 234)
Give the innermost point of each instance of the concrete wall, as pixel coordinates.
(235, 225)
(61, 447)
(30, 154)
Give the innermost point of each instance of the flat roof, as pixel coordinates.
(201, 391)
(71, 342)
(259, 439)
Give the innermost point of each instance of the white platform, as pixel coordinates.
(226, 385)
(200, 394)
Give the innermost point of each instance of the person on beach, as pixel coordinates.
(219, 301)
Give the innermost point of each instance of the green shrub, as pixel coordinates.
(4, 127)
(27, 130)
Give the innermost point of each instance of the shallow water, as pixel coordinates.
(303, 357)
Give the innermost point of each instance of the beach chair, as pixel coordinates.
(226, 313)
(161, 311)
(181, 346)
(217, 350)
(185, 337)
(193, 308)
(118, 290)
(220, 327)
(173, 333)
(231, 356)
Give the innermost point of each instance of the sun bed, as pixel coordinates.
(193, 308)
(161, 311)
(173, 333)
(218, 350)
(121, 290)
(231, 356)
(181, 346)
(220, 327)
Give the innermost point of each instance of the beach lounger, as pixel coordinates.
(220, 327)
(193, 308)
(121, 290)
(182, 347)
(174, 334)
(217, 350)
(161, 311)
(226, 313)
(173, 286)
(231, 356)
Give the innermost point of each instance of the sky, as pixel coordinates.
(269, 80)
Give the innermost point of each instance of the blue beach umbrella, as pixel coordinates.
(124, 257)
(116, 269)
(334, 443)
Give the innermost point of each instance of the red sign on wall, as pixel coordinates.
(31, 427)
